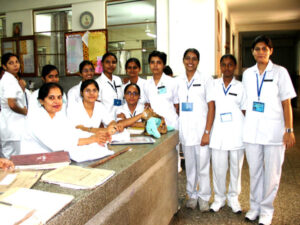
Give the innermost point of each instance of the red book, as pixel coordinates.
(50, 160)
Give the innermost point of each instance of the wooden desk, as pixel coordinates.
(143, 191)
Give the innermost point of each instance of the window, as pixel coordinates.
(131, 29)
(50, 27)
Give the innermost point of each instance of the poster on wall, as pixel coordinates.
(74, 53)
(85, 45)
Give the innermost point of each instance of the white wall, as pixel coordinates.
(192, 25)
(97, 8)
(21, 16)
(162, 26)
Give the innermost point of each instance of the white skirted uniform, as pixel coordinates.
(226, 138)
(34, 103)
(126, 111)
(11, 123)
(79, 116)
(192, 124)
(110, 93)
(263, 133)
(162, 98)
(141, 82)
(74, 95)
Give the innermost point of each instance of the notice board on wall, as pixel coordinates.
(85, 45)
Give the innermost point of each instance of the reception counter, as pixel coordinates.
(143, 190)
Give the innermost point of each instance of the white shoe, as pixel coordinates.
(203, 205)
(216, 206)
(191, 203)
(265, 219)
(234, 205)
(252, 215)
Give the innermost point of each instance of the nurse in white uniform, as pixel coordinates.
(49, 74)
(226, 137)
(110, 93)
(48, 129)
(161, 90)
(86, 71)
(88, 114)
(13, 106)
(268, 129)
(197, 111)
(133, 68)
(130, 113)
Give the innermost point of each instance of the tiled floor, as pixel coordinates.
(287, 202)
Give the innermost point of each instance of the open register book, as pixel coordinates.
(28, 206)
(77, 177)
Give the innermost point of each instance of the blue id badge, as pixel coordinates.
(226, 117)
(258, 107)
(162, 90)
(187, 106)
(117, 102)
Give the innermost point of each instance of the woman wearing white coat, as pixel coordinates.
(13, 106)
(48, 129)
(197, 111)
(87, 72)
(50, 74)
(268, 127)
(226, 138)
(110, 93)
(130, 113)
(161, 90)
(88, 114)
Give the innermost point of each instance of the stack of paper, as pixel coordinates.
(44, 205)
(78, 177)
(14, 214)
(89, 152)
(136, 130)
(24, 179)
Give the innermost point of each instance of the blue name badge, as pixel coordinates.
(117, 102)
(187, 106)
(258, 107)
(162, 90)
(226, 117)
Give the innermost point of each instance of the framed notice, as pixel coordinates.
(85, 45)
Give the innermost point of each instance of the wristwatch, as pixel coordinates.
(206, 131)
(289, 130)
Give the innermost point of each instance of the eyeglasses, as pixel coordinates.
(134, 94)
(86, 70)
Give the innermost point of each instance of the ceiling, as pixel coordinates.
(256, 12)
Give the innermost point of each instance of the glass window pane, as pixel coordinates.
(131, 36)
(124, 12)
(57, 60)
(51, 43)
(124, 55)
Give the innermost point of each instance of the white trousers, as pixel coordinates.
(10, 148)
(220, 167)
(265, 162)
(197, 162)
